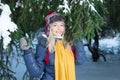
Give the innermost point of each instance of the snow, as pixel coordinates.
(101, 1)
(92, 8)
(18, 69)
(98, 70)
(110, 44)
(65, 6)
(6, 25)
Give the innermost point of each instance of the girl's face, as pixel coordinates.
(57, 28)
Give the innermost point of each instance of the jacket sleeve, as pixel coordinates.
(35, 65)
(80, 55)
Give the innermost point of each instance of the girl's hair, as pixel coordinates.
(51, 42)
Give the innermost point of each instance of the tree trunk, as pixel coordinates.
(95, 55)
(94, 49)
(1, 49)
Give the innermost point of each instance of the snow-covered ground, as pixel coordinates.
(99, 70)
(102, 70)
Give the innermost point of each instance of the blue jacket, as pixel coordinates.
(36, 65)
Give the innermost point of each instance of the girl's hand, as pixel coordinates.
(24, 45)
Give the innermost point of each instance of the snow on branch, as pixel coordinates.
(6, 25)
(91, 5)
(65, 6)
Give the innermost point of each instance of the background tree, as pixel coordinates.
(112, 18)
(94, 46)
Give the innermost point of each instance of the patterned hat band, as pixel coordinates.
(55, 19)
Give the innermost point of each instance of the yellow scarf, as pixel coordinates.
(64, 63)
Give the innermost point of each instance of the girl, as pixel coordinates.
(55, 58)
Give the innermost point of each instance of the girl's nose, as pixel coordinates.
(58, 27)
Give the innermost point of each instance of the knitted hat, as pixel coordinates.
(52, 17)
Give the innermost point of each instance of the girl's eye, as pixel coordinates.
(61, 25)
(54, 25)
